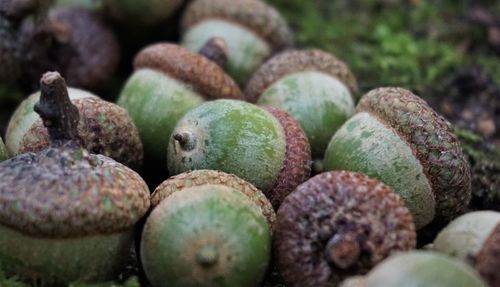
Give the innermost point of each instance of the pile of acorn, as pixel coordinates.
(240, 200)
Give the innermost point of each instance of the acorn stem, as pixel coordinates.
(343, 250)
(186, 140)
(59, 115)
(215, 50)
(207, 256)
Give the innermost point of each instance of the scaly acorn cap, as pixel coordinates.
(339, 224)
(297, 165)
(291, 62)
(63, 191)
(432, 140)
(488, 259)
(104, 128)
(259, 17)
(82, 48)
(203, 177)
(196, 71)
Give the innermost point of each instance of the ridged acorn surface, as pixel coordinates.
(253, 31)
(66, 215)
(336, 225)
(399, 139)
(104, 127)
(240, 138)
(418, 268)
(474, 238)
(169, 81)
(206, 235)
(142, 13)
(315, 87)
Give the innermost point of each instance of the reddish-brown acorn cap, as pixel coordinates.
(257, 16)
(196, 71)
(291, 62)
(297, 165)
(203, 177)
(339, 224)
(432, 140)
(488, 259)
(121, 142)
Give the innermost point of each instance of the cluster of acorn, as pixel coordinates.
(71, 204)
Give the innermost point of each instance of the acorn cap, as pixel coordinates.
(64, 191)
(297, 164)
(488, 259)
(291, 62)
(203, 177)
(432, 140)
(262, 19)
(339, 224)
(82, 48)
(105, 128)
(196, 71)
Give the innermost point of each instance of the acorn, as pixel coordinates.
(474, 238)
(253, 31)
(397, 138)
(264, 147)
(66, 215)
(207, 228)
(3, 151)
(418, 268)
(140, 13)
(169, 81)
(105, 128)
(315, 87)
(336, 225)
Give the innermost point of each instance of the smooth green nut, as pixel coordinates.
(319, 102)
(155, 102)
(418, 269)
(465, 236)
(246, 50)
(3, 151)
(140, 13)
(232, 136)
(209, 235)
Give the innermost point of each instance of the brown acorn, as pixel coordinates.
(336, 225)
(66, 215)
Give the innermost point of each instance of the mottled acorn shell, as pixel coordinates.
(196, 71)
(104, 127)
(203, 177)
(257, 16)
(336, 204)
(297, 165)
(291, 62)
(488, 259)
(67, 192)
(85, 51)
(432, 140)
(3, 151)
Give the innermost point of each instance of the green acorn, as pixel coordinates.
(104, 127)
(418, 268)
(265, 148)
(253, 31)
(169, 81)
(474, 238)
(398, 139)
(339, 224)
(315, 87)
(3, 151)
(213, 225)
(140, 13)
(66, 215)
